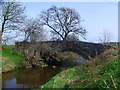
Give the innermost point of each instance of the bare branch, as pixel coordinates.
(12, 15)
(62, 21)
(105, 37)
(33, 30)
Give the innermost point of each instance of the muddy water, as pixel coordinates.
(33, 78)
(28, 78)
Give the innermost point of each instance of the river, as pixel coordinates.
(34, 77)
(28, 78)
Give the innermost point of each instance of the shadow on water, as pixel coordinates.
(72, 63)
(32, 78)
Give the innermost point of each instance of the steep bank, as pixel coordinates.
(100, 72)
(11, 58)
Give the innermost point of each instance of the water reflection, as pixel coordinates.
(13, 83)
(28, 78)
(31, 78)
(72, 63)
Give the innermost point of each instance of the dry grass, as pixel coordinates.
(99, 72)
(67, 55)
(101, 60)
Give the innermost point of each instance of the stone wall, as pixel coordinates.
(85, 49)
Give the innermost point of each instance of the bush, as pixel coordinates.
(67, 55)
(55, 56)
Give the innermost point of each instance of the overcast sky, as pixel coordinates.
(98, 16)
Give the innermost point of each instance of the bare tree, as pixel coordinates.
(0, 24)
(33, 30)
(12, 15)
(105, 37)
(72, 37)
(62, 21)
(9, 37)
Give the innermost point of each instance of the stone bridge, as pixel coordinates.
(85, 49)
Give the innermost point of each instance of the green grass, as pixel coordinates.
(63, 79)
(91, 75)
(107, 77)
(11, 58)
(110, 75)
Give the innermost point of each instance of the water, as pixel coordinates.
(28, 78)
(72, 63)
(33, 78)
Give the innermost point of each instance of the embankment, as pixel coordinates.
(100, 72)
(11, 58)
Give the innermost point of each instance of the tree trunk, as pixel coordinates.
(64, 39)
(0, 60)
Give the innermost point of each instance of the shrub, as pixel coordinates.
(67, 55)
(55, 56)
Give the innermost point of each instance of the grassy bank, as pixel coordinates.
(100, 72)
(11, 58)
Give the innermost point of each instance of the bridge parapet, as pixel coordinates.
(85, 49)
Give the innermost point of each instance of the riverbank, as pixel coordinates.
(11, 58)
(99, 72)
